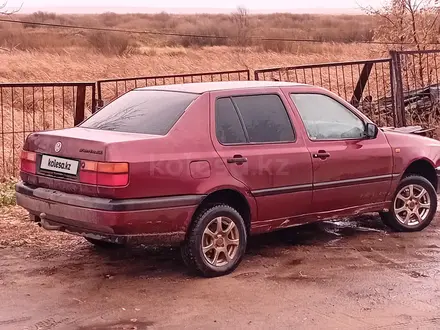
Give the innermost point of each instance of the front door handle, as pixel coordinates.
(237, 159)
(322, 154)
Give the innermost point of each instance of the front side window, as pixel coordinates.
(326, 119)
(142, 111)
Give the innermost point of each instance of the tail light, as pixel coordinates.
(104, 174)
(28, 162)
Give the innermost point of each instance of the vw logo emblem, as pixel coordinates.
(58, 146)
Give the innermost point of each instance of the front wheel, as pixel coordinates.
(414, 205)
(216, 242)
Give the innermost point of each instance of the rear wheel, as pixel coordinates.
(414, 205)
(216, 242)
(103, 244)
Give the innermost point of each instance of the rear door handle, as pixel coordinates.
(237, 159)
(322, 154)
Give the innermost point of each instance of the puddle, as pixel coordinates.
(415, 274)
(246, 275)
(352, 227)
(119, 325)
(327, 233)
(296, 262)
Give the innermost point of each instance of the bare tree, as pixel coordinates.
(241, 20)
(409, 24)
(5, 11)
(407, 21)
(242, 33)
(415, 25)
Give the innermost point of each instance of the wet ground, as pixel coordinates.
(340, 275)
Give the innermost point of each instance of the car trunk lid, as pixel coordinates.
(74, 160)
(79, 143)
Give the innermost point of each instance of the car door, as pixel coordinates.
(349, 170)
(253, 133)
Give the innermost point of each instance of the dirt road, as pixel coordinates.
(342, 275)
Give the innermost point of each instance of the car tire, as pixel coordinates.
(413, 207)
(216, 241)
(104, 244)
(385, 219)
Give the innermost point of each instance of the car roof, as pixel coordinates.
(200, 88)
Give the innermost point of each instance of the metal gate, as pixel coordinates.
(365, 84)
(31, 107)
(109, 89)
(417, 97)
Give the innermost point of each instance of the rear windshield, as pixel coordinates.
(145, 112)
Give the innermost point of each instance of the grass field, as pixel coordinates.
(48, 54)
(75, 63)
(238, 25)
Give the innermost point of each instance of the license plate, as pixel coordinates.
(60, 165)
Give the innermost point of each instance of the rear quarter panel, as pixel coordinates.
(183, 162)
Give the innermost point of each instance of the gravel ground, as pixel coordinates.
(351, 274)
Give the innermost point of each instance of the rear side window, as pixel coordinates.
(253, 119)
(145, 112)
(228, 127)
(265, 118)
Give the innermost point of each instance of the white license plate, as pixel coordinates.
(60, 165)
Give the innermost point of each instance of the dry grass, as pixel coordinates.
(17, 231)
(7, 193)
(342, 28)
(73, 64)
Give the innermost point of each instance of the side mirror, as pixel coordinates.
(371, 131)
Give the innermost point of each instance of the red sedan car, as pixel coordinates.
(206, 165)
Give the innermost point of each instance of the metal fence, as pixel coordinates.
(398, 91)
(31, 107)
(417, 83)
(365, 84)
(109, 89)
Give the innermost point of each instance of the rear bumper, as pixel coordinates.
(161, 221)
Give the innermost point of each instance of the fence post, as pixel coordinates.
(99, 102)
(362, 82)
(80, 104)
(397, 84)
(256, 75)
(94, 99)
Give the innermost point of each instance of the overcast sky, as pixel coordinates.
(253, 5)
